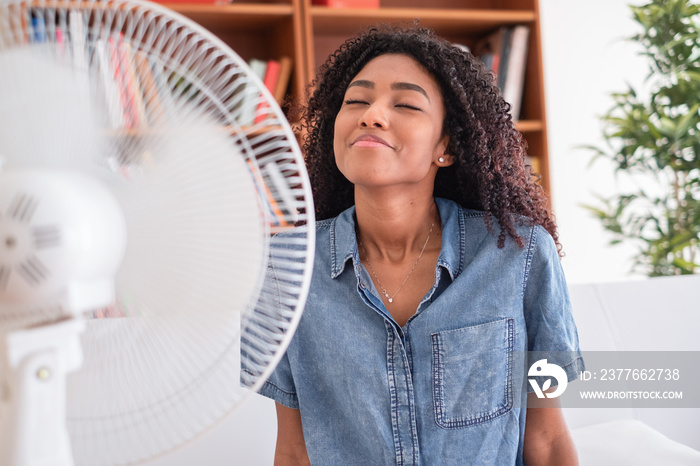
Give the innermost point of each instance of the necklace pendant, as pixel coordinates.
(389, 299)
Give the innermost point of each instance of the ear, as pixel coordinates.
(442, 158)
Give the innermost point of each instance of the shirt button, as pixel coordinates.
(362, 285)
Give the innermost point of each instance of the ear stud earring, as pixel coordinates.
(441, 159)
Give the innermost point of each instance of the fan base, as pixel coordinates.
(32, 411)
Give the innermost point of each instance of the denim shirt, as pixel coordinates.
(440, 390)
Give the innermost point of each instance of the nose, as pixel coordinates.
(374, 116)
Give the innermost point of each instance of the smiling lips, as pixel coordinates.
(368, 140)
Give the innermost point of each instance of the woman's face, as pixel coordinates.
(389, 128)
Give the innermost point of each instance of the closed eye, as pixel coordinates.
(410, 107)
(354, 101)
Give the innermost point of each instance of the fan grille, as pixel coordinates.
(163, 113)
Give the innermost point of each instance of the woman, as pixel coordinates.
(436, 266)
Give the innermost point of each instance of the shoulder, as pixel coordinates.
(326, 224)
(536, 239)
(451, 211)
(539, 241)
(476, 219)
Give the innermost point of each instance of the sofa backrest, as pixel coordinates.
(656, 314)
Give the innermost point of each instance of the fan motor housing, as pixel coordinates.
(62, 239)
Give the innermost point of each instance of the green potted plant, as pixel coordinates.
(653, 139)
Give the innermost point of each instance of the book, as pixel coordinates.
(515, 77)
(281, 191)
(272, 72)
(285, 74)
(24, 22)
(489, 50)
(38, 27)
(109, 86)
(275, 214)
(76, 45)
(249, 102)
(114, 66)
(258, 66)
(504, 56)
(162, 82)
(149, 88)
(60, 41)
(534, 163)
(76, 33)
(133, 87)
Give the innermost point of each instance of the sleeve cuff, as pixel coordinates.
(572, 369)
(277, 394)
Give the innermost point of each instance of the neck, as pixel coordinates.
(394, 226)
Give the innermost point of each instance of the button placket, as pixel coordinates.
(403, 415)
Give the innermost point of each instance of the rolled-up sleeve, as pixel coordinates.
(551, 330)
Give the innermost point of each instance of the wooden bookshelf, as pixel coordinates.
(462, 21)
(309, 33)
(263, 30)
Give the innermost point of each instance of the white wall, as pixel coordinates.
(246, 437)
(585, 58)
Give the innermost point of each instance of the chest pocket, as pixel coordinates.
(473, 373)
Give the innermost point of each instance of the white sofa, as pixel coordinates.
(659, 314)
(655, 314)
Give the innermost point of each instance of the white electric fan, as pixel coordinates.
(143, 168)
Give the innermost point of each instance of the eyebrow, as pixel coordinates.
(400, 86)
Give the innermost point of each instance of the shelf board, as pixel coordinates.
(349, 20)
(529, 126)
(250, 16)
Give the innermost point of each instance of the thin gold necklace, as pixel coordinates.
(384, 292)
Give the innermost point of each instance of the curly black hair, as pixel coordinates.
(489, 172)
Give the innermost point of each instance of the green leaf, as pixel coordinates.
(667, 127)
(687, 121)
(685, 267)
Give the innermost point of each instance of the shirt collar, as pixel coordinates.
(343, 242)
